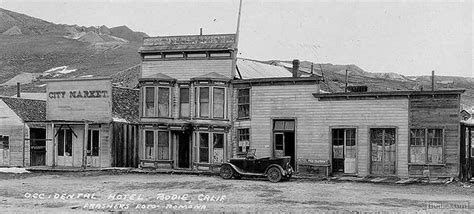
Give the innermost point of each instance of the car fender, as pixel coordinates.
(283, 172)
(236, 169)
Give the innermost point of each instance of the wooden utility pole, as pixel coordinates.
(345, 89)
(432, 80)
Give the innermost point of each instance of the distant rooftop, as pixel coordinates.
(251, 69)
(188, 43)
(27, 109)
(31, 96)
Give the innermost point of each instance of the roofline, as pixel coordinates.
(21, 98)
(176, 36)
(185, 50)
(277, 80)
(77, 79)
(386, 93)
(133, 89)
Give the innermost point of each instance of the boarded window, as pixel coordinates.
(204, 102)
(218, 148)
(184, 102)
(426, 146)
(204, 147)
(149, 101)
(163, 146)
(149, 145)
(93, 143)
(218, 102)
(244, 140)
(163, 102)
(243, 98)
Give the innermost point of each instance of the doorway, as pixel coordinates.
(284, 140)
(93, 146)
(344, 151)
(64, 147)
(184, 150)
(382, 151)
(37, 147)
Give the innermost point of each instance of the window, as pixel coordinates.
(220, 55)
(64, 142)
(4, 142)
(426, 146)
(184, 102)
(244, 139)
(93, 143)
(196, 55)
(153, 56)
(210, 102)
(218, 102)
(149, 101)
(218, 148)
(243, 96)
(163, 146)
(284, 125)
(204, 102)
(149, 145)
(204, 147)
(163, 102)
(174, 55)
(161, 107)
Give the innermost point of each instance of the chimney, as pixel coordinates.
(17, 89)
(296, 68)
(432, 80)
(200, 31)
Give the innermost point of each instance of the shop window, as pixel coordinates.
(218, 102)
(64, 142)
(204, 147)
(218, 148)
(4, 142)
(149, 102)
(163, 146)
(184, 102)
(149, 145)
(163, 102)
(243, 97)
(244, 139)
(426, 146)
(93, 143)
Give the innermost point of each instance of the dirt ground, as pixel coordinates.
(109, 191)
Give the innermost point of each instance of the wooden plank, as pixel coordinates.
(187, 69)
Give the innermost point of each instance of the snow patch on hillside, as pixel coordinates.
(58, 71)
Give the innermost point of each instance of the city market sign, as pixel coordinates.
(78, 94)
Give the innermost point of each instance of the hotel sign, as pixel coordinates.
(78, 100)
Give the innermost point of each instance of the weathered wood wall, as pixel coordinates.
(98, 109)
(438, 111)
(314, 120)
(187, 69)
(12, 126)
(125, 145)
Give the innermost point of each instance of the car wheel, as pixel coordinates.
(226, 172)
(274, 174)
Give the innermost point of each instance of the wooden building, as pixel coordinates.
(22, 142)
(90, 123)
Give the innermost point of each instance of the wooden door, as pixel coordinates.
(64, 150)
(4, 151)
(93, 147)
(350, 151)
(344, 151)
(383, 151)
(184, 150)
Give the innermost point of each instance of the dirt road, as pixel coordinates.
(105, 191)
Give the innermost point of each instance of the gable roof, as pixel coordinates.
(252, 69)
(27, 109)
(125, 105)
(188, 43)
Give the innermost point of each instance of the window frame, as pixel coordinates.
(189, 102)
(243, 104)
(426, 146)
(156, 102)
(90, 142)
(239, 148)
(64, 131)
(210, 144)
(156, 144)
(197, 102)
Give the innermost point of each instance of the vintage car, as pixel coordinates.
(275, 169)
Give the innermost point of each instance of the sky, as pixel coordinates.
(407, 37)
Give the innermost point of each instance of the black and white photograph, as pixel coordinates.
(236, 106)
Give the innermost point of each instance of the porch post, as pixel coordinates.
(84, 145)
(53, 157)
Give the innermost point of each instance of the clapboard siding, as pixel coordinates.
(439, 111)
(187, 69)
(12, 126)
(314, 120)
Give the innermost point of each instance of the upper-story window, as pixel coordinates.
(184, 107)
(156, 102)
(243, 96)
(210, 102)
